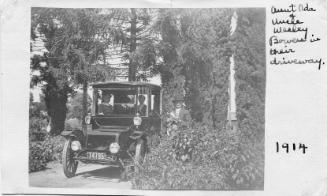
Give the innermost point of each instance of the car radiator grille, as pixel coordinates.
(99, 142)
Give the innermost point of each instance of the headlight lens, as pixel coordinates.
(76, 145)
(88, 119)
(137, 120)
(114, 148)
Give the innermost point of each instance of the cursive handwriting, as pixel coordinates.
(290, 8)
(281, 51)
(290, 30)
(277, 21)
(275, 40)
(293, 8)
(284, 61)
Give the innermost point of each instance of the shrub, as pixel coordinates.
(202, 158)
(54, 146)
(37, 157)
(40, 153)
(37, 122)
(37, 131)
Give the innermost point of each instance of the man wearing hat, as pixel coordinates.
(178, 116)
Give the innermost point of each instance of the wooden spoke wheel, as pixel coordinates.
(139, 154)
(68, 161)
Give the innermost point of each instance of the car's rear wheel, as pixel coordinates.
(68, 161)
(139, 154)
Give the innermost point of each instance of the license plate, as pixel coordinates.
(96, 155)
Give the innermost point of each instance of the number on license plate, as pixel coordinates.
(96, 155)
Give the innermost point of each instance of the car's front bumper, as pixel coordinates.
(119, 159)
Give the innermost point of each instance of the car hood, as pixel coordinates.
(112, 123)
(113, 128)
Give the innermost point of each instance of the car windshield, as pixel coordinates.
(116, 102)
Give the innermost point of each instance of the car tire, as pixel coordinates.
(68, 162)
(140, 151)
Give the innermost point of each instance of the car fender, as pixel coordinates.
(137, 135)
(77, 134)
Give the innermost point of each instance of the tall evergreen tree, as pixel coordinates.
(76, 40)
(196, 51)
(136, 41)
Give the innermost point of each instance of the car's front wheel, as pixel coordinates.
(68, 161)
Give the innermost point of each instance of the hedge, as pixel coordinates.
(200, 158)
(40, 153)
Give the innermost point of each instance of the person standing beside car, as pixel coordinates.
(178, 117)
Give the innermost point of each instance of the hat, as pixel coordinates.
(141, 97)
(106, 94)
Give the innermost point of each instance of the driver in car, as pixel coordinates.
(142, 106)
(105, 108)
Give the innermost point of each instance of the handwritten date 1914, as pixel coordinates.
(287, 147)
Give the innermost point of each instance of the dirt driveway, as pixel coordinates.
(87, 175)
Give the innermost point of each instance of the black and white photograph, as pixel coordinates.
(147, 98)
(158, 97)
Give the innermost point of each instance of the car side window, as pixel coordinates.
(105, 102)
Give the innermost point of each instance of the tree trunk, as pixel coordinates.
(55, 100)
(84, 101)
(132, 64)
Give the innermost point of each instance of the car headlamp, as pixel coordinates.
(76, 145)
(114, 147)
(87, 119)
(137, 120)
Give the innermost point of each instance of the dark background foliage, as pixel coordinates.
(250, 72)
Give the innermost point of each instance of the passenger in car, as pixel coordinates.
(105, 108)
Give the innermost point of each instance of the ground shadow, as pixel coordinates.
(107, 173)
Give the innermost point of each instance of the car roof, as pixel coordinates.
(122, 84)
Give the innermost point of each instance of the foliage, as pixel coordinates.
(195, 50)
(37, 120)
(217, 161)
(54, 146)
(42, 146)
(42, 152)
(74, 105)
(37, 157)
(75, 41)
(137, 46)
(250, 73)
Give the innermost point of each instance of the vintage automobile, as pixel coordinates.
(123, 117)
